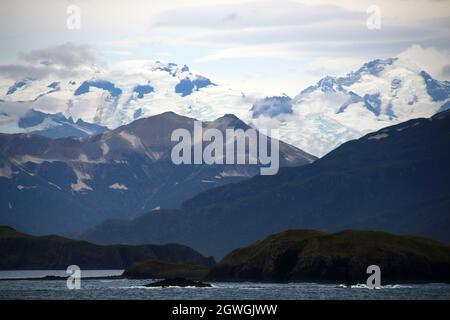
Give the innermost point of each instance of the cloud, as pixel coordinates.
(432, 60)
(290, 30)
(262, 38)
(17, 71)
(349, 31)
(257, 51)
(334, 66)
(118, 52)
(252, 15)
(446, 71)
(14, 108)
(62, 60)
(67, 55)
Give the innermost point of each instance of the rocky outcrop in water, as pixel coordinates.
(178, 282)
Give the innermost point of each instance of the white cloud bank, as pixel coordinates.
(281, 44)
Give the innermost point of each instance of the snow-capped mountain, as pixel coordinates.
(47, 125)
(125, 92)
(317, 120)
(337, 109)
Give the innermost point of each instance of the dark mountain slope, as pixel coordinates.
(396, 179)
(394, 175)
(23, 251)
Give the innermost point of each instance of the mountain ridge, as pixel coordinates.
(395, 179)
(117, 174)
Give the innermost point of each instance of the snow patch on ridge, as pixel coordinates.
(6, 172)
(118, 186)
(105, 148)
(80, 185)
(132, 139)
(233, 173)
(378, 136)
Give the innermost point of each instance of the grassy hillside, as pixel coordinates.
(307, 255)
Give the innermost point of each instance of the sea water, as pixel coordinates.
(135, 289)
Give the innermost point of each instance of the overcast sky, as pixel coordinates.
(258, 46)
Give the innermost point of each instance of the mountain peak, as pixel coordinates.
(326, 84)
(229, 121)
(168, 114)
(329, 84)
(230, 116)
(438, 90)
(376, 66)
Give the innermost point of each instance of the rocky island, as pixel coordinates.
(308, 255)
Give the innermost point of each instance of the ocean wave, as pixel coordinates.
(168, 287)
(364, 286)
(138, 287)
